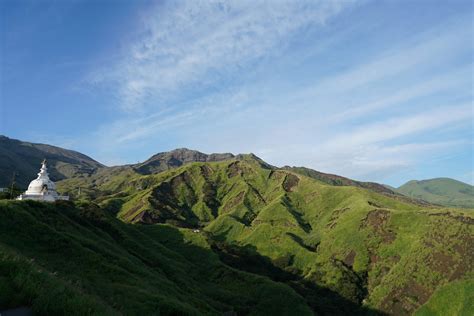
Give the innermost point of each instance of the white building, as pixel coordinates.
(42, 188)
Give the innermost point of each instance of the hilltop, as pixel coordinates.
(442, 191)
(24, 158)
(172, 159)
(333, 179)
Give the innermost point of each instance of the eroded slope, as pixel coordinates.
(370, 248)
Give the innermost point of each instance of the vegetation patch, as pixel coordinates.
(364, 250)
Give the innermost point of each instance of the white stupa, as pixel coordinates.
(42, 188)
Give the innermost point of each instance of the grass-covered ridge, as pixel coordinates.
(24, 160)
(442, 191)
(61, 259)
(372, 249)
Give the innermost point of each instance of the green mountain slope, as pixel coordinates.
(25, 158)
(372, 249)
(176, 158)
(60, 259)
(442, 191)
(333, 179)
(324, 243)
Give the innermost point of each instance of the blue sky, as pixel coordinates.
(372, 90)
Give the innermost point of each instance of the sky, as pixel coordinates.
(372, 90)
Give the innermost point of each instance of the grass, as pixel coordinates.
(455, 298)
(63, 259)
(331, 248)
(442, 191)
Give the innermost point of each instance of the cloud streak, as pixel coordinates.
(193, 44)
(190, 79)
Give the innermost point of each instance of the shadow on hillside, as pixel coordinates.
(86, 244)
(321, 300)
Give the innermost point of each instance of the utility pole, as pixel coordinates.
(13, 183)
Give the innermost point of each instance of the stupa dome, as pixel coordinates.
(42, 183)
(42, 188)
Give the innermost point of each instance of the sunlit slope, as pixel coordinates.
(442, 191)
(372, 249)
(60, 259)
(336, 180)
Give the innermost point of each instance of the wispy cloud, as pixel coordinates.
(189, 43)
(187, 81)
(371, 150)
(376, 149)
(398, 127)
(132, 128)
(437, 84)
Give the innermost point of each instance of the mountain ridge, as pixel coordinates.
(24, 158)
(333, 179)
(443, 191)
(322, 243)
(175, 158)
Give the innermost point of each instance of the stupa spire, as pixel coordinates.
(43, 174)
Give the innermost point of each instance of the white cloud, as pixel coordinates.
(366, 121)
(437, 84)
(398, 127)
(139, 127)
(372, 150)
(190, 43)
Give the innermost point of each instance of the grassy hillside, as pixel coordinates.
(336, 180)
(372, 249)
(63, 259)
(176, 158)
(25, 158)
(442, 191)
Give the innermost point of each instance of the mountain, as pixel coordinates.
(176, 158)
(333, 179)
(442, 191)
(374, 250)
(25, 158)
(233, 235)
(393, 189)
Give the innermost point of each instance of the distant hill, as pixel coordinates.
(25, 158)
(443, 191)
(336, 180)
